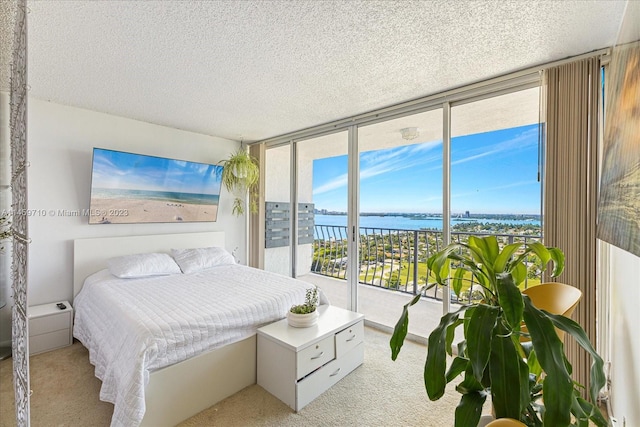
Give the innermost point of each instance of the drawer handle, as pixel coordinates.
(352, 338)
(335, 373)
(318, 356)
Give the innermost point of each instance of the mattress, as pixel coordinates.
(132, 327)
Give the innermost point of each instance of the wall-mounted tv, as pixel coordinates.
(131, 188)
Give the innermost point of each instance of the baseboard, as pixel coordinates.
(389, 330)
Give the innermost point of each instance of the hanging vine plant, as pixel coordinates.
(240, 175)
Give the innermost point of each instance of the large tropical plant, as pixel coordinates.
(240, 175)
(530, 381)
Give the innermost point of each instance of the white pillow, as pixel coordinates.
(192, 260)
(142, 265)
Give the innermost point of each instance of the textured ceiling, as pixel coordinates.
(256, 69)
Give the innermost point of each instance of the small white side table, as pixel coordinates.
(50, 327)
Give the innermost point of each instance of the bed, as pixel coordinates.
(148, 372)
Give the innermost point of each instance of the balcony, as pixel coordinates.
(392, 270)
(382, 307)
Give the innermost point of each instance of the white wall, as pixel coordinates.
(60, 143)
(625, 346)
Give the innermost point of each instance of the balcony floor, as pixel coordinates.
(382, 307)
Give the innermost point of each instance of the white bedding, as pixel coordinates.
(134, 326)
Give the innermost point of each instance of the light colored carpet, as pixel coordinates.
(379, 393)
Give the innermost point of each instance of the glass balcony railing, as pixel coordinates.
(396, 259)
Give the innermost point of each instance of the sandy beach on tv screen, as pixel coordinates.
(127, 211)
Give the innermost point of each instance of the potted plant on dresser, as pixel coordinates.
(511, 351)
(305, 315)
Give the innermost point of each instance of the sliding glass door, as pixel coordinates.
(495, 182)
(394, 191)
(306, 213)
(322, 250)
(400, 187)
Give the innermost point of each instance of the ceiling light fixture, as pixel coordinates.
(409, 133)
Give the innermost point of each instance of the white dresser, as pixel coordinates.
(49, 327)
(298, 364)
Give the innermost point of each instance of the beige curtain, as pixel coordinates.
(570, 188)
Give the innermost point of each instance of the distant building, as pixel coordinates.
(466, 214)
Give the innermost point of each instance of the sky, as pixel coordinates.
(116, 169)
(493, 172)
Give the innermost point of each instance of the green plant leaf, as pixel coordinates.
(469, 409)
(591, 411)
(458, 366)
(506, 376)
(484, 251)
(492, 248)
(510, 299)
(558, 258)
(436, 363)
(479, 335)
(469, 383)
(457, 281)
(534, 365)
(580, 416)
(597, 375)
(462, 347)
(557, 386)
(401, 328)
(451, 334)
(541, 251)
(525, 377)
(487, 248)
(484, 282)
(519, 273)
(438, 264)
(477, 248)
(501, 260)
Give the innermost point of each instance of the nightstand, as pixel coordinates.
(297, 365)
(50, 327)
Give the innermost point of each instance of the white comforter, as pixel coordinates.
(134, 326)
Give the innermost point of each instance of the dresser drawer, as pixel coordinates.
(314, 356)
(298, 364)
(349, 338)
(50, 341)
(321, 380)
(53, 322)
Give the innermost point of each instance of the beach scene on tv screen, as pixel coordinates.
(136, 188)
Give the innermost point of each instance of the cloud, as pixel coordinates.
(396, 159)
(335, 183)
(520, 141)
(379, 162)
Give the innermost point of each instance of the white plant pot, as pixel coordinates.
(302, 320)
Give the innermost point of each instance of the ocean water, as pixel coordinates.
(163, 196)
(408, 223)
